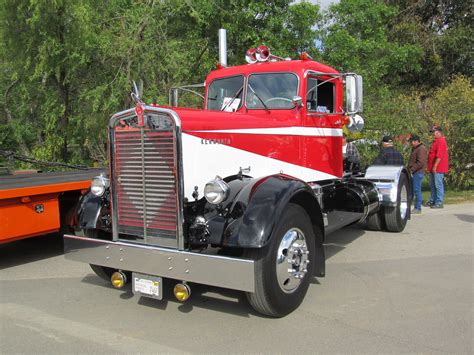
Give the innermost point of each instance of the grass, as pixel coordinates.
(450, 196)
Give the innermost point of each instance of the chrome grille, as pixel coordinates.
(145, 182)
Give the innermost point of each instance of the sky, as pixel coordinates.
(324, 4)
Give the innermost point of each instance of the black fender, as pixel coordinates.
(258, 207)
(88, 212)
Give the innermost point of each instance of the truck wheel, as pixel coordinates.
(375, 221)
(396, 217)
(283, 268)
(103, 272)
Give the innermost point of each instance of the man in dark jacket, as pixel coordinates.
(388, 154)
(417, 166)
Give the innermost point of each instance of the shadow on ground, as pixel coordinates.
(202, 296)
(465, 217)
(29, 250)
(339, 240)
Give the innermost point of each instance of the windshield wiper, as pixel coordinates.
(258, 97)
(233, 98)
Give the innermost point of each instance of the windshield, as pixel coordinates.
(271, 91)
(225, 94)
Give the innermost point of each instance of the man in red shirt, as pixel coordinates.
(438, 165)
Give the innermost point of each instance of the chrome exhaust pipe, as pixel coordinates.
(223, 47)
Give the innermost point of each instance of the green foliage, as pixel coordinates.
(452, 107)
(357, 36)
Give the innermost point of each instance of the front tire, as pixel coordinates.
(396, 217)
(103, 272)
(283, 268)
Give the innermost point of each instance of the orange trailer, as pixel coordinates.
(38, 203)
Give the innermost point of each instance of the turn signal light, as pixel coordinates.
(182, 292)
(118, 279)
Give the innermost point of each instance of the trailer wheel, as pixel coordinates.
(375, 221)
(103, 272)
(283, 268)
(396, 217)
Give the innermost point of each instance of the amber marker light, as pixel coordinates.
(182, 292)
(305, 56)
(118, 279)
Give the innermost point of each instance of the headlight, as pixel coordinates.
(216, 191)
(99, 184)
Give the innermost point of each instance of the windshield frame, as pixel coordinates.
(298, 82)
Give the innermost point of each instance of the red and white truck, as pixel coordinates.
(241, 194)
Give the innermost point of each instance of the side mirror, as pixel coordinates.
(354, 94)
(297, 101)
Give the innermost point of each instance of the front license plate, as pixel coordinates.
(147, 285)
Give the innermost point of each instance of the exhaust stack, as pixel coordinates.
(223, 47)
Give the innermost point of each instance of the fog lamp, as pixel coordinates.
(182, 291)
(118, 279)
(216, 191)
(99, 184)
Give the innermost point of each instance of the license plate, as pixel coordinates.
(147, 285)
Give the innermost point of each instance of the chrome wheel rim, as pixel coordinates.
(403, 202)
(292, 260)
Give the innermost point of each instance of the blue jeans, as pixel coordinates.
(417, 180)
(437, 188)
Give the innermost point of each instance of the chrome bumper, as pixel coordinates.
(215, 270)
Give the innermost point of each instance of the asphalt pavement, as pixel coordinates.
(409, 292)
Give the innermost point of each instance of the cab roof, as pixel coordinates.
(298, 67)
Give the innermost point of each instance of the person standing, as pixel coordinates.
(438, 165)
(388, 154)
(417, 165)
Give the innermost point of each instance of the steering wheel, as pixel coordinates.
(278, 98)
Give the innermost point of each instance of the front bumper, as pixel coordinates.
(215, 270)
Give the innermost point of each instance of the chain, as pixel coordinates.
(13, 156)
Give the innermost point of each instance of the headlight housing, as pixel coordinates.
(99, 184)
(216, 191)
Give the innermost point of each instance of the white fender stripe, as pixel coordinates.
(287, 131)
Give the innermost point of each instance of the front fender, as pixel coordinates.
(257, 208)
(88, 212)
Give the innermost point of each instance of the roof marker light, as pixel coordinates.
(305, 56)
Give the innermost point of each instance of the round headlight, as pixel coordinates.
(216, 191)
(99, 184)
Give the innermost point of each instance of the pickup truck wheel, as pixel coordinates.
(375, 221)
(103, 272)
(283, 268)
(396, 217)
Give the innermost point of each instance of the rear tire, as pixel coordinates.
(396, 217)
(284, 268)
(375, 221)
